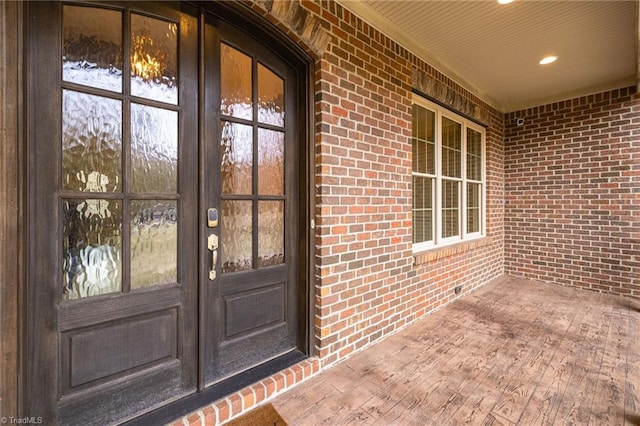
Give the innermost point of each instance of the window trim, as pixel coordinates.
(437, 213)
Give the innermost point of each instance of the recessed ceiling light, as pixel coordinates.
(504, 1)
(548, 60)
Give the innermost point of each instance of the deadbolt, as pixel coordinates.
(212, 218)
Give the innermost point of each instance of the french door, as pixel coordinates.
(163, 209)
(250, 126)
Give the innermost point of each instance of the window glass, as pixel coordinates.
(92, 247)
(423, 143)
(154, 242)
(92, 47)
(154, 149)
(91, 142)
(450, 209)
(474, 155)
(451, 148)
(236, 85)
(122, 149)
(270, 97)
(422, 209)
(154, 59)
(473, 207)
(447, 168)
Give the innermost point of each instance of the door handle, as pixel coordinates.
(212, 244)
(214, 260)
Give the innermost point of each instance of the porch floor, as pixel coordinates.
(513, 352)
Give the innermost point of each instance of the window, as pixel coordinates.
(448, 177)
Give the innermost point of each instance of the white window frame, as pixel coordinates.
(437, 213)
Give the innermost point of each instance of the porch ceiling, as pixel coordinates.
(493, 50)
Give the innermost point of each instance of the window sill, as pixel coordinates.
(441, 252)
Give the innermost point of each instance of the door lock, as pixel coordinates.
(212, 242)
(212, 218)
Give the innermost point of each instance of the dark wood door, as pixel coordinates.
(251, 181)
(112, 265)
(163, 210)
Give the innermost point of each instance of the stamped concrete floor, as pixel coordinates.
(515, 352)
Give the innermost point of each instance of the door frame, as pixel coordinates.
(12, 198)
(16, 165)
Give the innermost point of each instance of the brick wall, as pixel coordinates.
(572, 174)
(368, 282)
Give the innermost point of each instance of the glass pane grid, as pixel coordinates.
(450, 208)
(451, 148)
(474, 167)
(473, 207)
(460, 169)
(473, 220)
(423, 141)
(422, 209)
(93, 153)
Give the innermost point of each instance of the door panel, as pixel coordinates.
(251, 145)
(112, 299)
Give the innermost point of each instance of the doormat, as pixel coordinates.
(265, 415)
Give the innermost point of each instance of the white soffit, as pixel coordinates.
(493, 50)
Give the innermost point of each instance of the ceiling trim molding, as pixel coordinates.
(383, 25)
(619, 84)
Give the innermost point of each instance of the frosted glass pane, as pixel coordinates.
(154, 243)
(154, 149)
(270, 162)
(154, 59)
(92, 247)
(450, 209)
(270, 97)
(236, 144)
(92, 47)
(236, 236)
(270, 233)
(91, 142)
(236, 84)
